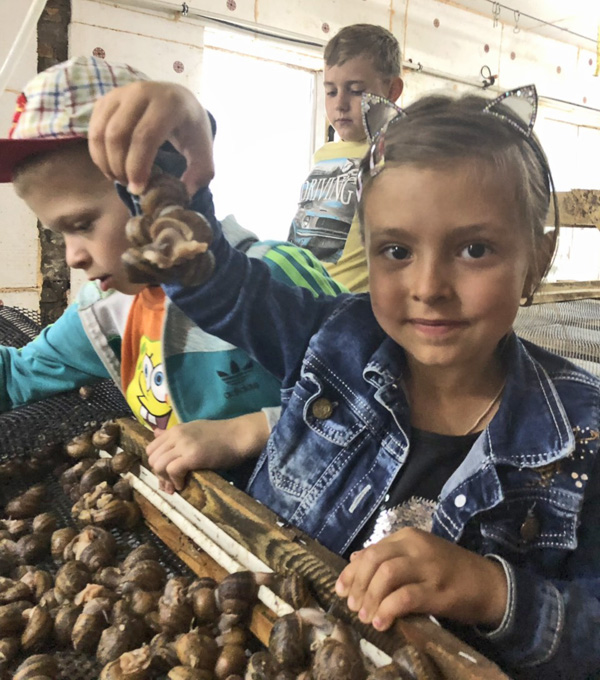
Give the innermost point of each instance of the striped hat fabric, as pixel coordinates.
(56, 106)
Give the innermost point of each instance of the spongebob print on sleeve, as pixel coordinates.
(147, 393)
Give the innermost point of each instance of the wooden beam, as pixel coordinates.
(428, 647)
(577, 208)
(563, 291)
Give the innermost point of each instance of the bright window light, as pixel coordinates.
(265, 113)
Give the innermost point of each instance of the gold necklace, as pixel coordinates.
(488, 408)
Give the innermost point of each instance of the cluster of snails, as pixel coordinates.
(168, 242)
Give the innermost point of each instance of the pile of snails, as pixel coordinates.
(138, 622)
(168, 242)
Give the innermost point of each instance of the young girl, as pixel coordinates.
(414, 420)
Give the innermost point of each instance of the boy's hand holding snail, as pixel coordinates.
(169, 242)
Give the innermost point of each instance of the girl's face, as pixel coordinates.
(448, 262)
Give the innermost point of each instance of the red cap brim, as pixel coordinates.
(14, 151)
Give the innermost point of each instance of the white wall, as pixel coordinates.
(440, 36)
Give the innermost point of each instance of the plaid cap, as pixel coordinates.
(56, 106)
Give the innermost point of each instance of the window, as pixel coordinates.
(265, 108)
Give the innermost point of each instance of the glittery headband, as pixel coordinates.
(517, 108)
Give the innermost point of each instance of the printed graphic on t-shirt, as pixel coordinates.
(326, 208)
(415, 512)
(147, 392)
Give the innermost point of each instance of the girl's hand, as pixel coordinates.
(130, 123)
(205, 445)
(413, 571)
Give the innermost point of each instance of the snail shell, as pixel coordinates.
(162, 190)
(100, 471)
(17, 527)
(13, 591)
(288, 642)
(231, 661)
(143, 601)
(64, 621)
(123, 462)
(146, 551)
(109, 577)
(114, 641)
(163, 653)
(89, 625)
(11, 617)
(261, 666)
(70, 579)
(38, 628)
(46, 522)
(107, 437)
(147, 574)
(391, 671)
(38, 665)
(73, 474)
(174, 611)
(135, 664)
(236, 593)
(49, 600)
(197, 650)
(122, 489)
(27, 504)
(9, 648)
(59, 541)
(39, 582)
(81, 446)
(337, 661)
(33, 547)
(204, 604)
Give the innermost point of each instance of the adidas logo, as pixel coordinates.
(237, 375)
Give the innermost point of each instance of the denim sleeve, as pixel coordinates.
(61, 358)
(245, 305)
(551, 629)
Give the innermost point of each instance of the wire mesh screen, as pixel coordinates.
(570, 329)
(32, 427)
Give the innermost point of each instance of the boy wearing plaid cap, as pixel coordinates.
(201, 396)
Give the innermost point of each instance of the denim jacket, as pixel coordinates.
(528, 492)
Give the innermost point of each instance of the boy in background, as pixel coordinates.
(202, 397)
(360, 58)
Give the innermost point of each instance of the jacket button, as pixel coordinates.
(460, 501)
(530, 529)
(322, 408)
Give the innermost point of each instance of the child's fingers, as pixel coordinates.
(104, 109)
(165, 485)
(159, 461)
(408, 599)
(177, 470)
(366, 565)
(389, 577)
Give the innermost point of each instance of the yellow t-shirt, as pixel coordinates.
(351, 268)
(142, 370)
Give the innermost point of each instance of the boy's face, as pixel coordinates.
(344, 86)
(70, 196)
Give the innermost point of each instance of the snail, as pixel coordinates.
(70, 579)
(81, 446)
(335, 660)
(107, 437)
(17, 527)
(37, 666)
(9, 648)
(231, 661)
(197, 650)
(132, 665)
(261, 666)
(288, 642)
(391, 671)
(39, 582)
(33, 547)
(143, 601)
(100, 471)
(162, 651)
(236, 595)
(109, 577)
(11, 617)
(38, 628)
(114, 641)
(146, 551)
(147, 574)
(64, 620)
(187, 673)
(202, 596)
(27, 504)
(123, 462)
(174, 611)
(59, 541)
(168, 242)
(90, 624)
(14, 591)
(122, 489)
(44, 523)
